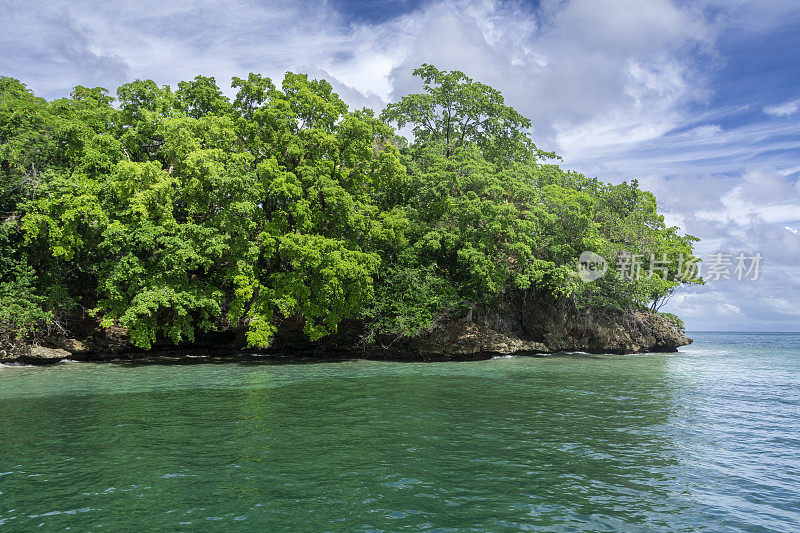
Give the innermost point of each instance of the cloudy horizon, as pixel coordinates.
(699, 101)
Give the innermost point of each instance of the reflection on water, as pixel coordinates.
(706, 439)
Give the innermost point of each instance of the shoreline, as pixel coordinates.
(514, 327)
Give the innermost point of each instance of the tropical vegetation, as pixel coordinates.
(172, 212)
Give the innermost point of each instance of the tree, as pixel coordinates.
(201, 97)
(456, 111)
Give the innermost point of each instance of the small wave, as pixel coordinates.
(504, 357)
(703, 351)
(14, 364)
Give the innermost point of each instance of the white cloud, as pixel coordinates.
(590, 75)
(785, 109)
(698, 150)
(55, 50)
(757, 211)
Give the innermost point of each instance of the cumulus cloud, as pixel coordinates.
(756, 212)
(589, 75)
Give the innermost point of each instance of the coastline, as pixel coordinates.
(517, 328)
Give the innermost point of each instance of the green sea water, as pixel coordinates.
(705, 439)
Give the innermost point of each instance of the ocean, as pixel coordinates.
(707, 439)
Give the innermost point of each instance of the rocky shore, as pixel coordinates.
(519, 328)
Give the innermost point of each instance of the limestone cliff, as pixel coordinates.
(534, 326)
(522, 326)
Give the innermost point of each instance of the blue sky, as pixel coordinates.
(700, 100)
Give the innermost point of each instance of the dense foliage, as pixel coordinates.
(674, 320)
(171, 212)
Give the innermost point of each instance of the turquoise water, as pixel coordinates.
(706, 439)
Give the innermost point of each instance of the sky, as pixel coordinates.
(699, 101)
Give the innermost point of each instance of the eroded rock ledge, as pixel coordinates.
(519, 327)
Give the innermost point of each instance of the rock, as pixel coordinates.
(53, 349)
(93, 347)
(73, 346)
(34, 354)
(40, 354)
(533, 325)
(14, 352)
(8, 355)
(542, 325)
(525, 324)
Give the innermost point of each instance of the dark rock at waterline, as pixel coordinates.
(35, 354)
(532, 326)
(521, 326)
(54, 348)
(42, 354)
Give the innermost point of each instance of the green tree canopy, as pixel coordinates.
(456, 111)
(172, 212)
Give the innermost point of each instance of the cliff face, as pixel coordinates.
(519, 327)
(532, 326)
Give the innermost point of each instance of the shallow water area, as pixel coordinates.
(704, 439)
